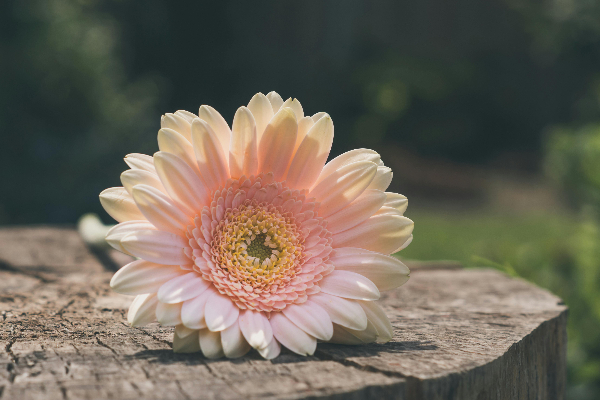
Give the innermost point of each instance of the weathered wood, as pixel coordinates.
(459, 334)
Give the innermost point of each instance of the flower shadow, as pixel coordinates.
(324, 351)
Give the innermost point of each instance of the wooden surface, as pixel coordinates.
(459, 334)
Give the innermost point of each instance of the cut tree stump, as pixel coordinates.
(458, 334)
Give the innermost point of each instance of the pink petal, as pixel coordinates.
(182, 288)
(157, 246)
(349, 285)
(172, 142)
(343, 186)
(119, 231)
(209, 155)
(180, 181)
(344, 312)
(210, 344)
(141, 276)
(140, 161)
(160, 210)
(380, 233)
(218, 125)
(243, 150)
(220, 312)
(277, 144)
(311, 155)
(168, 314)
(311, 318)
(261, 109)
(364, 206)
(234, 344)
(292, 337)
(120, 205)
(380, 321)
(192, 311)
(256, 328)
(275, 100)
(133, 177)
(384, 271)
(347, 158)
(143, 310)
(178, 123)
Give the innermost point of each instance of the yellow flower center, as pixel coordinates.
(258, 247)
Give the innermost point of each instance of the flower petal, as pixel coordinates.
(156, 246)
(209, 155)
(311, 155)
(382, 179)
(188, 116)
(292, 337)
(119, 231)
(311, 318)
(218, 125)
(183, 331)
(404, 245)
(347, 158)
(256, 328)
(377, 317)
(304, 126)
(120, 205)
(172, 142)
(277, 144)
(133, 177)
(271, 351)
(342, 336)
(143, 310)
(234, 344)
(349, 285)
(343, 186)
(368, 335)
(160, 210)
(261, 109)
(318, 116)
(296, 107)
(210, 344)
(397, 201)
(275, 100)
(180, 181)
(384, 271)
(182, 288)
(140, 161)
(380, 233)
(192, 311)
(220, 312)
(141, 276)
(356, 212)
(177, 122)
(189, 343)
(243, 150)
(344, 312)
(168, 314)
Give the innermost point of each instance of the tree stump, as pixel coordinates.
(458, 334)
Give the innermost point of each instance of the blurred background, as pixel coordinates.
(488, 112)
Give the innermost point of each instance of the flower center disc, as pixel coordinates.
(261, 243)
(259, 248)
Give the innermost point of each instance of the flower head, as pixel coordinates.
(247, 238)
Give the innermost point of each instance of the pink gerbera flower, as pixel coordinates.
(246, 238)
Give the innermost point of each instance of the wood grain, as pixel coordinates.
(459, 334)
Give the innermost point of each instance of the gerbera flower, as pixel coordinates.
(247, 238)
